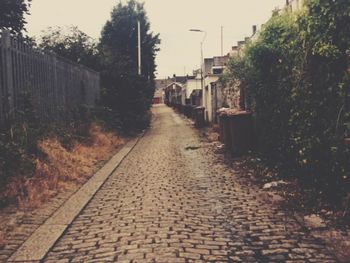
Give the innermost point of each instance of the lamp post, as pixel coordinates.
(139, 46)
(204, 37)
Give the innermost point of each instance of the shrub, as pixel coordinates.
(297, 85)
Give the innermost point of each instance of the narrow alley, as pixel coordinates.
(170, 201)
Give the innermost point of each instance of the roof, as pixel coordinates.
(177, 84)
(180, 79)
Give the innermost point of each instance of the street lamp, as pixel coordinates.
(205, 35)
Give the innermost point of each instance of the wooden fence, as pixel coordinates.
(55, 87)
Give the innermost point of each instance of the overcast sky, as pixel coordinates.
(180, 48)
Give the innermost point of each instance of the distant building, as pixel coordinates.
(173, 93)
(213, 69)
(192, 89)
(158, 97)
(161, 84)
(179, 79)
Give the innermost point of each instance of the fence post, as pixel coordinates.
(9, 93)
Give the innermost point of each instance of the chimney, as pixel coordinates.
(254, 29)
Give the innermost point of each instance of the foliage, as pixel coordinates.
(322, 97)
(20, 136)
(298, 87)
(12, 14)
(125, 100)
(71, 43)
(234, 78)
(127, 96)
(18, 142)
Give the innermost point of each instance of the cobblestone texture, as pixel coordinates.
(21, 223)
(168, 204)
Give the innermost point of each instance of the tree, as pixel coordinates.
(127, 95)
(71, 43)
(12, 14)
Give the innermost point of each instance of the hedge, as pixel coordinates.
(297, 83)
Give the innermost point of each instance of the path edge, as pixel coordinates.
(39, 243)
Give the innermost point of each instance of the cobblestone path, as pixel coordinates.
(172, 202)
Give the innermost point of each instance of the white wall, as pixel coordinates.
(183, 95)
(191, 85)
(207, 96)
(296, 4)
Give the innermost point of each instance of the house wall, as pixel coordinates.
(191, 85)
(229, 95)
(207, 96)
(218, 63)
(183, 95)
(173, 93)
(208, 65)
(295, 4)
(221, 60)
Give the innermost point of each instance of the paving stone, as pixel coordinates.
(168, 204)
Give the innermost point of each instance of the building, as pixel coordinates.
(160, 84)
(231, 94)
(213, 69)
(158, 97)
(192, 84)
(173, 93)
(294, 5)
(214, 94)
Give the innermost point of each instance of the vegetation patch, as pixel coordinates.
(60, 167)
(297, 83)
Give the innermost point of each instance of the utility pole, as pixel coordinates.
(202, 62)
(139, 47)
(222, 40)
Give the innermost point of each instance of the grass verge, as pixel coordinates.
(62, 167)
(59, 167)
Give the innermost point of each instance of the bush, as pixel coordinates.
(20, 137)
(298, 87)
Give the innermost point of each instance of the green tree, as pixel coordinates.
(128, 96)
(12, 14)
(71, 43)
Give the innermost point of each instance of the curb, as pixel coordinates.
(45, 237)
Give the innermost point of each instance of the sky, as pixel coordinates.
(180, 48)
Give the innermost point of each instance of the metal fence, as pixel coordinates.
(55, 87)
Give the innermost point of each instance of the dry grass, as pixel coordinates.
(62, 169)
(2, 239)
